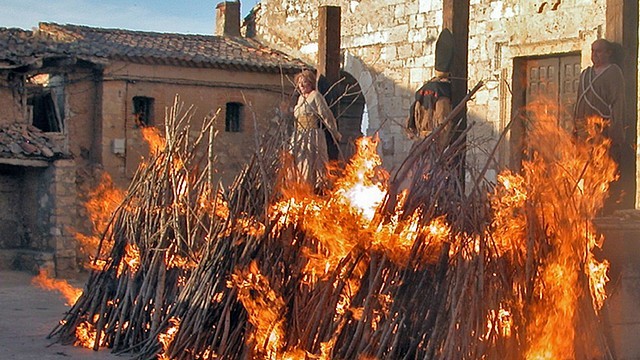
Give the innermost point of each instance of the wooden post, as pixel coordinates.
(455, 17)
(329, 63)
(329, 43)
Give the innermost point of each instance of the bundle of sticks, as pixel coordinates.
(446, 268)
(153, 239)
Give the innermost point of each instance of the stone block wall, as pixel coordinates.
(38, 208)
(12, 101)
(11, 226)
(388, 46)
(62, 221)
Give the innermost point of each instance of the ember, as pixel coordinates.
(419, 269)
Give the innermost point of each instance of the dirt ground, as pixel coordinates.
(27, 316)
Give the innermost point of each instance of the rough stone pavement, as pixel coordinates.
(27, 316)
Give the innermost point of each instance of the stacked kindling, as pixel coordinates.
(441, 270)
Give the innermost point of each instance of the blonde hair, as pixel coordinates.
(306, 75)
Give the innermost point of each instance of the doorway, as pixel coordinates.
(542, 86)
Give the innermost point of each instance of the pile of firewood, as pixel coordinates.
(246, 286)
(153, 239)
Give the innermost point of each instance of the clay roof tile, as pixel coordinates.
(140, 46)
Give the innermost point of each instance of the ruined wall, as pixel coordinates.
(81, 97)
(11, 225)
(12, 101)
(388, 46)
(38, 217)
(207, 90)
(61, 180)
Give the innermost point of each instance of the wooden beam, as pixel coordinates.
(329, 43)
(329, 64)
(25, 162)
(455, 17)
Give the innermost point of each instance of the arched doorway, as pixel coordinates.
(347, 103)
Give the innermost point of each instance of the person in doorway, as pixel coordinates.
(601, 94)
(312, 115)
(432, 101)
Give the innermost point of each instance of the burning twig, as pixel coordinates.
(280, 272)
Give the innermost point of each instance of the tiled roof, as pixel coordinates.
(21, 47)
(22, 141)
(99, 44)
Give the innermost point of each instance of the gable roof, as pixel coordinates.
(99, 45)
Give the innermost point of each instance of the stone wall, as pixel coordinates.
(38, 213)
(63, 221)
(620, 313)
(207, 91)
(11, 226)
(12, 101)
(388, 46)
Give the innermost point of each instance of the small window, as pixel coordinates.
(232, 117)
(143, 110)
(45, 102)
(45, 114)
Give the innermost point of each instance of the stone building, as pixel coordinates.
(87, 92)
(514, 47)
(523, 51)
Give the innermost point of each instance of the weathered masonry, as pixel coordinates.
(87, 93)
(522, 50)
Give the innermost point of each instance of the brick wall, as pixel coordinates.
(206, 90)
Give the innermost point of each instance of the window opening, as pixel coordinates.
(45, 102)
(143, 111)
(232, 117)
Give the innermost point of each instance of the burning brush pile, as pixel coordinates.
(416, 266)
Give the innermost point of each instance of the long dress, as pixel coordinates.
(308, 141)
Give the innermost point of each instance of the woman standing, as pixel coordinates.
(312, 114)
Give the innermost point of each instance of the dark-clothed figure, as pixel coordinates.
(432, 103)
(601, 94)
(431, 106)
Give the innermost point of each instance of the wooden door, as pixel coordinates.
(551, 88)
(568, 92)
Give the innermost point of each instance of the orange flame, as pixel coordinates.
(154, 138)
(70, 293)
(102, 202)
(131, 259)
(166, 338)
(509, 219)
(359, 186)
(86, 335)
(264, 308)
(579, 173)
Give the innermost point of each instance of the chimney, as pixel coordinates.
(228, 18)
